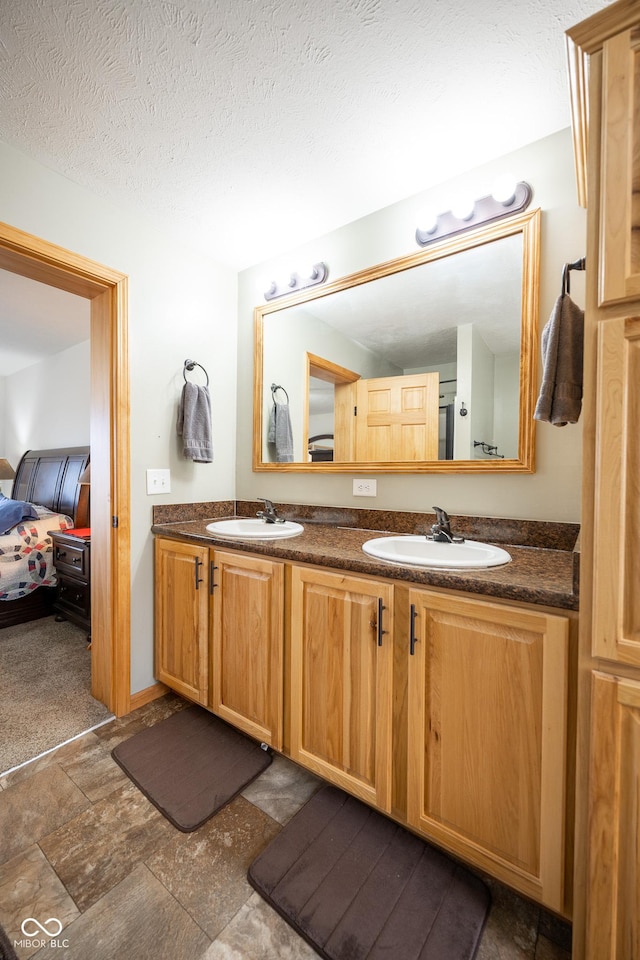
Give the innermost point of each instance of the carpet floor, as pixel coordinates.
(45, 689)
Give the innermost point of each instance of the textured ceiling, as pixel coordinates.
(250, 126)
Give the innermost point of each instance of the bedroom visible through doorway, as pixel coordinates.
(106, 289)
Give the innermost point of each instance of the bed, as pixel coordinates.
(48, 479)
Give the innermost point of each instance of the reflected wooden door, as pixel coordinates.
(397, 418)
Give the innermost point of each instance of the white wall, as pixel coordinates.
(553, 492)
(181, 305)
(47, 404)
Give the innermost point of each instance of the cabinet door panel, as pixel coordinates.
(247, 644)
(616, 598)
(614, 820)
(181, 610)
(341, 681)
(487, 737)
(620, 249)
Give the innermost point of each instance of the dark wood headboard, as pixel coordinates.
(50, 478)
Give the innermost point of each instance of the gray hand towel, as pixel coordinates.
(194, 423)
(560, 400)
(280, 432)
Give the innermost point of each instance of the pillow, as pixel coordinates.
(13, 511)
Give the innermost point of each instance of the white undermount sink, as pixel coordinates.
(247, 528)
(417, 551)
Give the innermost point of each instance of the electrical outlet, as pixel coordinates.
(158, 481)
(365, 488)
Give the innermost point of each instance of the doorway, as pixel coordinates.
(106, 290)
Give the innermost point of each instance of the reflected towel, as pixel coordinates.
(194, 423)
(560, 400)
(280, 432)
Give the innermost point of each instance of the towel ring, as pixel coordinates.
(276, 386)
(566, 278)
(189, 365)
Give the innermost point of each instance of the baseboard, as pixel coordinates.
(154, 692)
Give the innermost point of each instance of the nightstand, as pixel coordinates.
(72, 560)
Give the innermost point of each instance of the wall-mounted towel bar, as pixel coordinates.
(490, 449)
(566, 271)
(189, 365)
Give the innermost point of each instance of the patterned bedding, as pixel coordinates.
(26, 554)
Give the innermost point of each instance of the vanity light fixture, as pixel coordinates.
(298, 280)
(509, 200)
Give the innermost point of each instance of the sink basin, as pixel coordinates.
(254, 529)
(417, 551)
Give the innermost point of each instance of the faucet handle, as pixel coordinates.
(269, 514)
(441, 515)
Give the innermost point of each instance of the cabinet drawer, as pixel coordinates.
(71, 559)
(74, 595)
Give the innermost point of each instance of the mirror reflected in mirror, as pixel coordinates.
(426, 363)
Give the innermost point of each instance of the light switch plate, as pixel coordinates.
(365, 488)
(158, 481)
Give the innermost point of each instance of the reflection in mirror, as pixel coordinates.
(424, 363)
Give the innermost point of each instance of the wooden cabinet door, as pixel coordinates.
(613, 927)
(616, 597)
(182, 618)
(487, 737)
(398, 418)
(619, 277)
(341, 681)
(247, 644)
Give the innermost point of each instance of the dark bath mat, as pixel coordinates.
(356, 885)
(190, 765)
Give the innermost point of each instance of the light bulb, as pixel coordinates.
(428, 222)
(308, 273)
(462, 209)
(504, 190)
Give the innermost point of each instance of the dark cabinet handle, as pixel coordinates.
(198, 579)
(381, 632)
(212, 572)
(412, 630)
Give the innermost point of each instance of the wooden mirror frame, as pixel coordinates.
(528, 224)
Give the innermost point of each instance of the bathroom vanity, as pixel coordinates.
(445, 700)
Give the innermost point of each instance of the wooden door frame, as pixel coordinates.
(37, 259)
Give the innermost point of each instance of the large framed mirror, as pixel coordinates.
(427, 363)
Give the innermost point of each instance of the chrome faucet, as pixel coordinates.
(441, 529)
(269, 514)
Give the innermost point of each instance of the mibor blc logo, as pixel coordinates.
(51, 927)
(35, 933)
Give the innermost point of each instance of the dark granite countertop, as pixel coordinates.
(546, 575)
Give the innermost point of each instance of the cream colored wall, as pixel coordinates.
(553, 492)
(32, 410)
(181, 305)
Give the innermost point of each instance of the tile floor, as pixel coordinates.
(80, 843)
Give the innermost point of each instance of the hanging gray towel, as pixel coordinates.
(560, 400)
(280, 432)
(194, 423)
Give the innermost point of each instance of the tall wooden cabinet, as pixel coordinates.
(606, 50)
